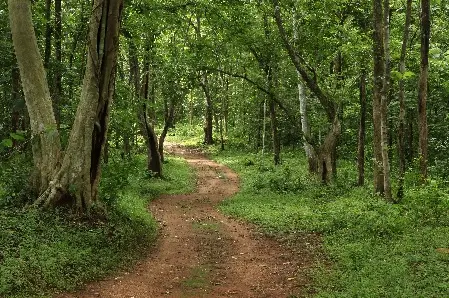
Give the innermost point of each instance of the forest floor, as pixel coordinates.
(203, 253)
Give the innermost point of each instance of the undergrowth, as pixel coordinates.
(377, 249)
(52, 251)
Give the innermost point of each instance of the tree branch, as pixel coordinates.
(264, 90)
(301, 66)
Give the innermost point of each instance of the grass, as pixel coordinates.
(46, 252)
(198, 278)
(377, 249)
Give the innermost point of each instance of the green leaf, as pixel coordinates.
(7, 143)
(408, 75)
(17, 137)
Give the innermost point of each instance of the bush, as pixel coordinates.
(14, 179)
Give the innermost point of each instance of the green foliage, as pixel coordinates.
(378, 249)
(14, 175)
(189, 135)
(45, 251)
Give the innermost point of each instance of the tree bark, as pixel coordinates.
(15, 97)
(362, 131)
(170, 117)
(275, 133)
(46, 145)
(48, 31)
(384, 102)
(422, 91)
(379, 72)
(402, 106)
(208, 126)
(305, 126)
(154, 162)
(57, 92)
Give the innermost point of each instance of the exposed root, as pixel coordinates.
(50, 197)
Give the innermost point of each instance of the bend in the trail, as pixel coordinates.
(202, 253)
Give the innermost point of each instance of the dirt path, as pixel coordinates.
(202, 253)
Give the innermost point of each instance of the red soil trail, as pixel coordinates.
(203, 253)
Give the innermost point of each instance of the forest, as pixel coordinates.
(209, 148)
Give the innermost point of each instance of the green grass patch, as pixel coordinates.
(377, 249)
(198, 279)
(43, 252)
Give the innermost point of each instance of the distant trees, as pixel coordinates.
(234, 69)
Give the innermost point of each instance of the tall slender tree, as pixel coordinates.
(422, 90)
(402, 106)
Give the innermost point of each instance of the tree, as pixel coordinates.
(422, 90)
(362, 131)
(402, 106)
(75, 174)
(381, 165)
(324, 160)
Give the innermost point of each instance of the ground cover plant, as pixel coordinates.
(377, 249)
(46, 251)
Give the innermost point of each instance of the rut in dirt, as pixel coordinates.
(202, 253)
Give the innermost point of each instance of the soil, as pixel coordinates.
(203, 253)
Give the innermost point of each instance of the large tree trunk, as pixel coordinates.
(362, 131)
(77, 177)
(402, 106)
(79, 174)
(46, 145)
(422, 92)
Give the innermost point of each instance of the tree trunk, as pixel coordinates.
(362, 131)
(402, 106)
(126, 146)
(325, 157)
(154, 160)
(275, 132)
(154, 163)
(15, 97)
(57, 92)
(77, 177)
(379, 72)
(47, 52)
(208, 126)
(305, 127)
(46, 145)
(422, 91)
(384, 103)
(168, 123)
